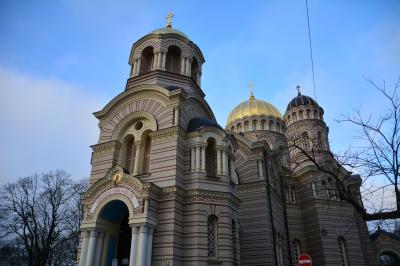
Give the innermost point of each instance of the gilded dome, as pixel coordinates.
(253, 107)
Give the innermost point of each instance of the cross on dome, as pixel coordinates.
(169, 20)
(251, 90)
(298, 90)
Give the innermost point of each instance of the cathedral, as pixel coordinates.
(169, 186)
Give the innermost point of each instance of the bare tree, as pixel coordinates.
(41, 212)
(376, 157)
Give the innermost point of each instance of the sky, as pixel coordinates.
(60, 61)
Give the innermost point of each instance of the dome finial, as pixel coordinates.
(298, 90)
(251, 90)
(169, 20)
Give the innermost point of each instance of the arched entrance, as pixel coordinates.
(389, 258)
(114, 216)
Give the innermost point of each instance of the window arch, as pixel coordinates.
(195, 70)
(147, 59)
(308, 114)
(173, 59)
(246, 126)
(212, 240)
(239, 127)
(305, 141)
(211, 157)
(296, 249)
(254, 125)
(129, 153)
(301, 114)
(343, 251)
(315, 114)
(271, 125)
(147, 153)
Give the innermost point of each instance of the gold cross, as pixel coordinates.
(169, 20)
(298, 89)
(251, 90)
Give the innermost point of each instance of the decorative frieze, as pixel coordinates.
(168, 134)
(105, 148)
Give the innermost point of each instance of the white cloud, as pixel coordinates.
(45, 124)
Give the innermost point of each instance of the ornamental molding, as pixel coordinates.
(168, 134)
(130, 118)
(105, 148)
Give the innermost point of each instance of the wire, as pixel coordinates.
(311, 51)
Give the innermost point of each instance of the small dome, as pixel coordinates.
(253, 107)
(167, 30)
(198, 123)
(301, 100)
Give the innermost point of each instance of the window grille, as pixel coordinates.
(212, 236)
(296, 251)
(343, 251)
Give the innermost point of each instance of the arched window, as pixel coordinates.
(254, 125)
(294, 117)
(129, 153)
(246, 126)
(308, 114)
(173, 60)
(147, 152)
(301, 114)
(343, 251)
(315, 114)
(263, 124)
(195, 70)
(278, 127)
(296, 248)
(319, 140)
(305, 141)
(271, 125)
(211, 157)
(235, 242)
(212, 231)
(147, 59)
(279, 248)
(239, 127)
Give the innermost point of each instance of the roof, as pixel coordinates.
(198, 123)
(301, 100)
(378, 232)
(169, 30)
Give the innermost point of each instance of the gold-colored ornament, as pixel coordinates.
(169, 20)
(116, 177)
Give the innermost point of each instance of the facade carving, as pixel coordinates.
(170, 186)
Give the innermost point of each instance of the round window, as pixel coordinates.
(138, 125)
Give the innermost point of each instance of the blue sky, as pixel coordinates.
(62, 60)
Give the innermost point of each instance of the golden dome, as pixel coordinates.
(252, 107)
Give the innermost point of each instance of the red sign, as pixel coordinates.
(305, 260)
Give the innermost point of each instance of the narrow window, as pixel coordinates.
(130, 153)
(301, 114)
(292, 195)
(305, 140)
(263, 124)
(315, 114)
(343, 251)
(271, 125)
(173, 59)
(212, 231)
(147, 59)
(147, 153)
(254, 125)
(308, 114)
(314, 189)
(296, 248)
(319, 139)
(235, 242)
(239, 127)
(195, 70)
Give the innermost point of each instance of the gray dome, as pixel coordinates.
(169, 30)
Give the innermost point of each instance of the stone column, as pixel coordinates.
(132, 256)
(105, 249)
(176, 118)
(82, 257)
(136, 167)
(193, 159)
(260, 168)
(154, 63)
(99, 248)
(138, 66)
(149, 246)
(183, 67)
(91, 249)
(224, 163)
(198, 158)
(159, 58)
(142, 246)
(188, 67)
(146, 206)
(164, 57)
(218, 161)
(135, 63)
(203, 159)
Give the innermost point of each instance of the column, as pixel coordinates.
(132, 256)
(154, 63)
(91, 248)
(192, 159)
(82, 257)
(146, 206)
(134, 68)
(187, 67)
(136, 168)
(203, 159)
(99, 248)
(105, 249)
(142, 246)
(183, 68)
(164, 57)
(218, 161)
(198, 158)
(176, 118)
(224, 163)
(260, 170)
(149, 246)
(138, 66)
(159, 58)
